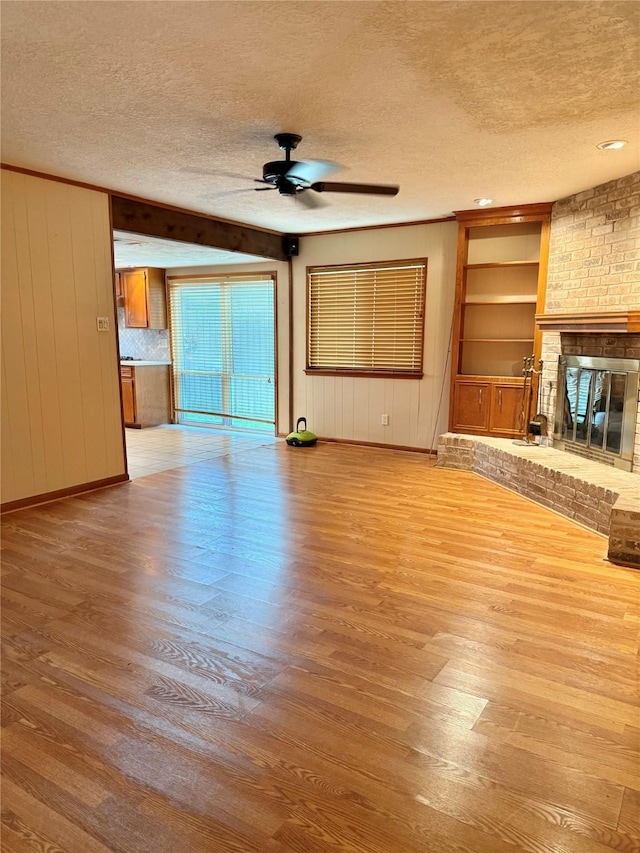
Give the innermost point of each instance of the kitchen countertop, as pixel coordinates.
(135, 363)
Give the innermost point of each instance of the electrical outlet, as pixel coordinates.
(384, 420)
(102, 323)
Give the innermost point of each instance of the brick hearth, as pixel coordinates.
(602, 498)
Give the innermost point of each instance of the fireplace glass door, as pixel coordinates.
(597, 399)
(594, 405)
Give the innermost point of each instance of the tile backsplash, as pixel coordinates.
(143, 344)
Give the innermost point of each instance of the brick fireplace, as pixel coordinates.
(593, 284)
(600, 349)
(592, 310)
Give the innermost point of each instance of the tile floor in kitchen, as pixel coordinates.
(171, 446)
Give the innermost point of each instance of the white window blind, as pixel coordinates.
(366, 318)
(223, 348)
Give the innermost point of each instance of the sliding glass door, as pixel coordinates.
(223, 348)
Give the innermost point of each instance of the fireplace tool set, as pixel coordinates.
(536, 426)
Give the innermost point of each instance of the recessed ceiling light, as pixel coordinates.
(612, 144)
(483, 202)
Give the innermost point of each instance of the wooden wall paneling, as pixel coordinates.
(389, 399)
(316, 406)
(330, 394)
(383, 399)
(345, 406)
(7, 475)
(89, 284)
(418, 409)
(361, 394)
(376, 402)
(61, 396)
(26, 323)
(15, 410)
(316, 403)
(338, 414)
(68, 320)
(111, 420)
(37, 269)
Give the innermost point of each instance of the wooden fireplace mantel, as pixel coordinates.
(598, 322)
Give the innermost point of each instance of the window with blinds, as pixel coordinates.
(223, 350)
(366, 319)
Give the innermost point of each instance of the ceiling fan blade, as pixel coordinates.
(218, 173)
(367, 189)
(263, 189)
(224, 193)
(308, 171)
(309, 200)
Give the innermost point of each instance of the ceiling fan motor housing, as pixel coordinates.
(277, 169)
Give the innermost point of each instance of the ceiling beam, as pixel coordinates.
(140, 217)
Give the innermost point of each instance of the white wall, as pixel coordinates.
(282, 321)
(61, 417)
(351, 408)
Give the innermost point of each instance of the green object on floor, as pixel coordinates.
(301, 437)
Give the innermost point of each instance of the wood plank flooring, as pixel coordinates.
(333, 650)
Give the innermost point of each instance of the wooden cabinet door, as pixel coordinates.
(506, 408)
(471, 405)
(128, 400)
(134, 288)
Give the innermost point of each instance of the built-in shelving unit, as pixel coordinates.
(501, 281)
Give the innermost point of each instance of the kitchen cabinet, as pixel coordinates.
(117, 286)
(146, 397)
(145, 303)
(128, 395)
(500, 286)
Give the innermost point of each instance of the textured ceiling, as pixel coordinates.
(136, 250)
(178, 102)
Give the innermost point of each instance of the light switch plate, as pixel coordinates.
(102, 323)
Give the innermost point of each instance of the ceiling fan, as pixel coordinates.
(295, 177)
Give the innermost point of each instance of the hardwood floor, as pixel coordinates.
(307, 651)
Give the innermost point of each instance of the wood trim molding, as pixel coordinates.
(514, 213)
(71, 491)
(437, 221)
(291, 355)
(157, 221)
(45, 176)
(597, 322)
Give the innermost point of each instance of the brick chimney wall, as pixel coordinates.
(594, 264)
